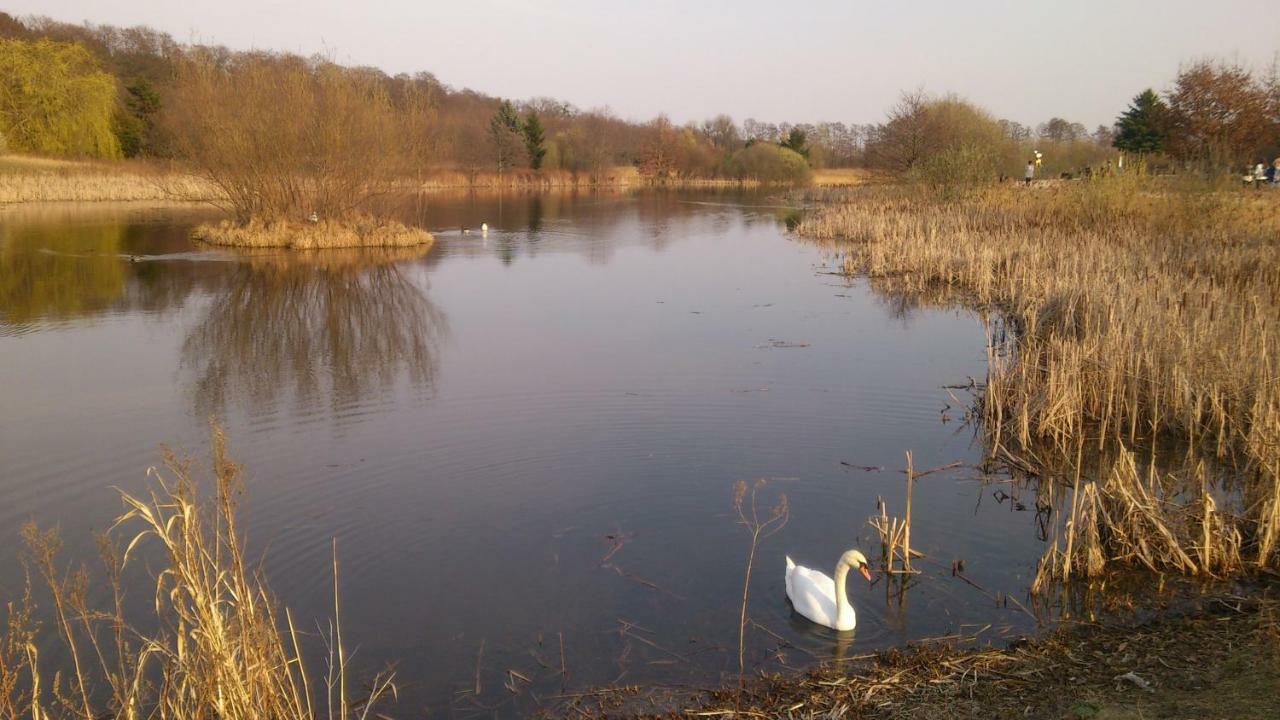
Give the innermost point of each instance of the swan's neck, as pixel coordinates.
(844, 610)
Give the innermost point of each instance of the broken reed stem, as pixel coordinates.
(564, 669)
(895, 534)
(906, 523)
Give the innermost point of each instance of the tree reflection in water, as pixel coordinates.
(56, 273)
(335, 326)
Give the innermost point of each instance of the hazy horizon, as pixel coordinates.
(830, 61)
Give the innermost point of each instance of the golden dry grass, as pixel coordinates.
(221, 646)
(26, 179)
(363, 231)
(842, 177)
(1135, 316)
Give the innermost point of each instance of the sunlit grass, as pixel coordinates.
(25, 179)
(360, 232)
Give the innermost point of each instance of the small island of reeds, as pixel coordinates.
(360, 231)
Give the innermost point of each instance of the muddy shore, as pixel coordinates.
(1212, 656)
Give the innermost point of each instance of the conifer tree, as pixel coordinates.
(504, 130)
(534, 140)
(1144, 127)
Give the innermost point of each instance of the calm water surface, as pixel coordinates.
(480, 425)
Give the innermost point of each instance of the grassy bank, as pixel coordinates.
(25, 179)
(1133, 357)
(29, 179)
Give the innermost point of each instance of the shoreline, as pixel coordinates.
(1216, 656)
(28, 180)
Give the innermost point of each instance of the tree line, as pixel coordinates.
(101, 91)
(1216, 114)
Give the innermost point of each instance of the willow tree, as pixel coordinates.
(56, 100)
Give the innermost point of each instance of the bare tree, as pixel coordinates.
(1221, 114)
(283, 137)
(722, 133)
(900, 142)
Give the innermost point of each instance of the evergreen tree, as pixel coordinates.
(1144, 127)
(797, 142)
(504, 130)
(534, 140)
(136, 126)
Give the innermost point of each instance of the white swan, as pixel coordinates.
(818, 598)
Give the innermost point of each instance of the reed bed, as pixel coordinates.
(363, 231)
(1126, 314)
(221, 648)
(26, 180)
(842, 177)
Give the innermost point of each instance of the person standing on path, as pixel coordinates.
(1031, 172)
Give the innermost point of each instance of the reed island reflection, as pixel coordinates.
(322, 331)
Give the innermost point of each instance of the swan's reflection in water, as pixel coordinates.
(325, 331)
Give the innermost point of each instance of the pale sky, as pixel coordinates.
(796, 61)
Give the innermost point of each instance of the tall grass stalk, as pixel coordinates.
(760, 530)
(218, 648)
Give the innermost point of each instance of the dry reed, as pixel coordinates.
(1126, 315)
(363, 231)
(24, 180)
(895, 533)
(221, 647)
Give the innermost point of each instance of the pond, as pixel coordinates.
(525, 442)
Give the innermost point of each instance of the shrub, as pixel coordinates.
(956, 170)
(284, 137)
(770, 164)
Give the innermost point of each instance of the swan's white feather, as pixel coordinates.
(813, 595)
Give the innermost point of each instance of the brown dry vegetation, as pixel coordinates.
(1219, 659)
(362, 231)
(842, 177)
(222, 646)
(28, 179)
(1126, 316)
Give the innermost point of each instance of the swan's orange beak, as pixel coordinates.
(865, 572)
